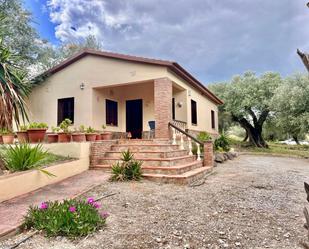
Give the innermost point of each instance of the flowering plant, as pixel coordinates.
(72, 218)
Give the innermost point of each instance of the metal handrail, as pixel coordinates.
(186, 133)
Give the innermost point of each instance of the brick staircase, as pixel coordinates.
(162, 161)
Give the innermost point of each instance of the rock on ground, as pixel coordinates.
(250, 202)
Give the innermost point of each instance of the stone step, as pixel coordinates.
(144, 147)
(172, 161)
(172, 170)
(181, 179)
(149, 154)
(144, 141)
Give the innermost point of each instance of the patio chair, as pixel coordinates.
(152, 126)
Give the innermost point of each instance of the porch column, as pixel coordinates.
(162, 106)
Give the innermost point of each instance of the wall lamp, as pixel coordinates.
(82, 86)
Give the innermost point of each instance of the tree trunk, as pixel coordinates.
(254, 132)
(256, 139)
(296, 140)
(246, 137)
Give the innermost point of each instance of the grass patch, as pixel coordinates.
(53, 159)
(274, 149)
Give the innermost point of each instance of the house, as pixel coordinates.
(124, 93)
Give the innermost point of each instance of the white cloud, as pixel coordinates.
(213, 39)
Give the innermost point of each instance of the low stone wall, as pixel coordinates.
(19, 183)
(72, 149)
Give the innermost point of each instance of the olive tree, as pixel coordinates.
(291, 103)
(248, 100)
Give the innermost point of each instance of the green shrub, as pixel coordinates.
(64, 125)
(90, 130)
(23, 128)
(55, 129)
(36, 125)
(203, 136)
(6, 132)
(22, 156)
(222, 143)
(127, 169)
(81, 128)
(71, 218)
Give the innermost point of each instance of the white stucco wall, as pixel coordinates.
(89, 103)
(204, 106)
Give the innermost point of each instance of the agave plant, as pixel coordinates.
(13, 86)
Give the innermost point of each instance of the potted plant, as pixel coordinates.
(53, 136)
(36, 132)
(98, 136)
(7, 136)
(22, 134)
(106, 135)
(65, 135)
(79, 135)
(90, 134)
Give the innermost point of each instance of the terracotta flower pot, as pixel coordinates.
(52, 138)
(78, 137)
(64, 137)
(91, 137)
(8, 138)
(98, 137)
(107, 135)
(22, 136)
(36, 135)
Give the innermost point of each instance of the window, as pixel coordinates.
(65, 109)
(111, 112)
(173, 108)
(193, 112)
(213, 122)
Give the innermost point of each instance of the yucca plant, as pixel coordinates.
(23, 157)
(127, 169)
(13, 86)
(126, 156)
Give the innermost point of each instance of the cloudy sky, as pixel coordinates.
(214, 40)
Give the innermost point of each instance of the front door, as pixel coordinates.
(134, 117)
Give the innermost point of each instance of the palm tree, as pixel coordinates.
(13, 86)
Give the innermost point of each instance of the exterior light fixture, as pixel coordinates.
(82, 86)
(179, 104)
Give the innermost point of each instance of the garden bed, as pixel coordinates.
(59, 167)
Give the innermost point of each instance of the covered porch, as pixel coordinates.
(132, 107)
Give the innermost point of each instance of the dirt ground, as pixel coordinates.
(250, 202)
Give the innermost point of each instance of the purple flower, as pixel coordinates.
(90, 200)
(104, 214)
(44, 205)
(72, 209)
(96, 205)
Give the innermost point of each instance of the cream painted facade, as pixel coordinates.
(118, 80)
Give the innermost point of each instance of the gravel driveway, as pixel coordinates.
(250, 202)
